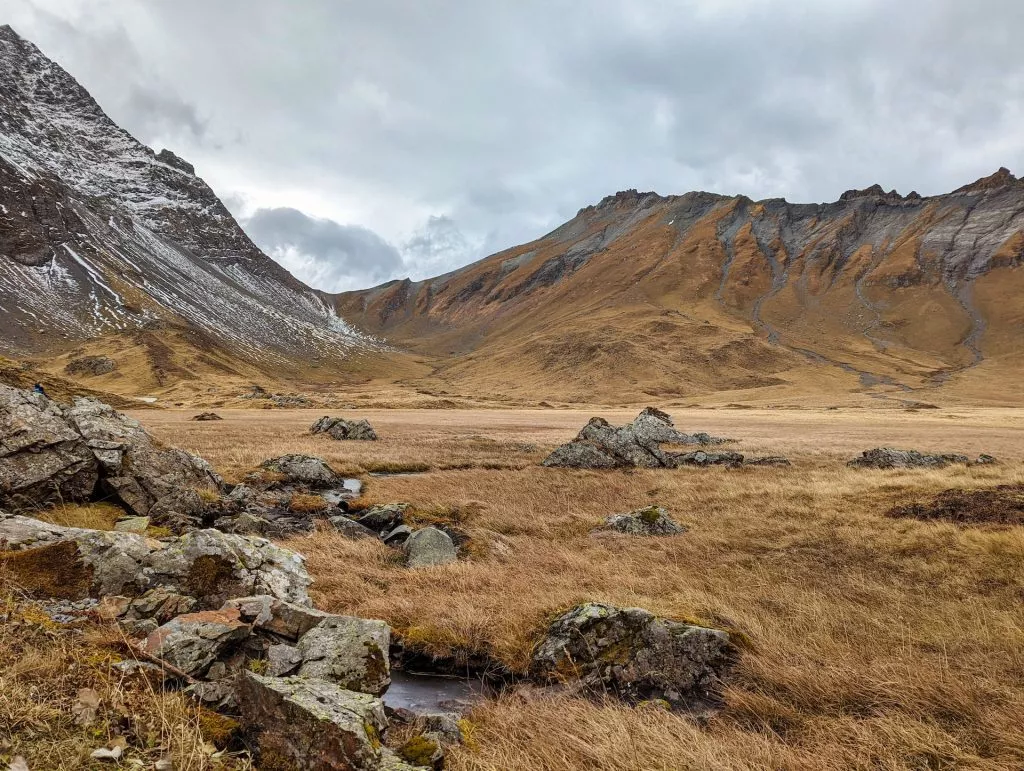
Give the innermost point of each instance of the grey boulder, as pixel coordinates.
(634, 654)
(311, 724)
(429, 546)
(341, 429)
(192, 642)
(270, 614)
(888, 458)
(306, 471)
(352, 652)
(653, 520)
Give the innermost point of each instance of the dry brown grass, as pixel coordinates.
(872, 642)
(43, 668)
(95, 516)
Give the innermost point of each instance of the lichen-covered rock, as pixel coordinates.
(42, 458)
(888, 458)
(179, 511)
(653, 520)
(311, 724)
(768, 460)
(192, 642)
(271, 614)
(634, 654)
(206, 564)
(383, 518)
(295, 470)
(160, 604)
(350, 651)
(341, 429)
(701, 458)
(350, 528)
(429, 546)
(423, 749)
(282, 660)
(638, 444)
(134, 467)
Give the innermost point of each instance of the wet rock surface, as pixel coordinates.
(634, 654)
(888, 458)
(635, 445)
(653, 520)
(341, 429)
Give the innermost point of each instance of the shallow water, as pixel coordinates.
(350, 488)
(432, 693)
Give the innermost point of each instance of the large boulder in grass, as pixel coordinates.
(43, 459)
(206, 564)
(304, 723)
(303, 471)
(888, 458)
(635, 445)
(341, 429)
(429, 546)
(633, 654)
(352, 652)
(134, 466)
(653, 520)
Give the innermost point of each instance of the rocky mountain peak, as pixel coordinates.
(999, 179)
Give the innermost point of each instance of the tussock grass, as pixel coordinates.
(95, 516)
(871, 642)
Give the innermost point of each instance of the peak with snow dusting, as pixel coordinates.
(99, 234)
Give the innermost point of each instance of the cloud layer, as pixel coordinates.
(453, 129)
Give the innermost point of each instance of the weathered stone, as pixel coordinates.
(160, 604)
(653, 520)
(701, 458)
(351, 529)
(888, 458)
(270, 614)
(180, 510)
(206, 416)
(638, 444)
(302, 470)
(352, 652)
(206, 564)
(219, 695)
(42, 458)
(341, 429)
(429, 546)
(444, 725)
(383, 518)
(192, 642)
(132, 525)
(90, 365)
(634, 654)
(767, 460)
(985, 460)
(397, 536)
(282, 660)
(133, 465)
(303, 723)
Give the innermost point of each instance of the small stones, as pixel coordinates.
(341, 429)
(428, 547)
(651, 521)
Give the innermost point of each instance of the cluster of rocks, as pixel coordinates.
(423, 547)
(888, 458)
(638, 445)
(90, 365)
(50, 453)
(339, 428)
(652, 520)
(206, 416)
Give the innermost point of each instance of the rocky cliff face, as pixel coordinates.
(100, 235)
(681, 294)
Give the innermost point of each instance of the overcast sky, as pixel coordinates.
(363, 140)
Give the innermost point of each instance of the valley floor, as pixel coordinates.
(870, 642)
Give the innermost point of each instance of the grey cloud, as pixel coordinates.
(506, 118)
(321, 252)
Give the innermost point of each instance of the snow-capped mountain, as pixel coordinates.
(101, 235)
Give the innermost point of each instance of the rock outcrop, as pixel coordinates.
(207, 564)
(634, 654)
(91, 365)
(352, 652)
(339, 428)
(203, 417)
(888, 458)
(48, 453)
(653, 520)
(301, 471)
(637, 444)
(192, 642)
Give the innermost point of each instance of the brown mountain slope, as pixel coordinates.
(647, 295)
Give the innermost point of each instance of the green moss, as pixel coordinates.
(419, 750)
(216, 728)
(259, 666)
(650, 515)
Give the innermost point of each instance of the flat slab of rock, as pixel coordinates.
(352, 652)
(271, 614)
(192, 642)
(206, 564)
(351, 529)
(429, 546)
(635, 445)
(888, 458)
(341, 429)
(634, 654)
(312, 724)
(653, 520)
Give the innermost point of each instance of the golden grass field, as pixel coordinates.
(869, 642)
